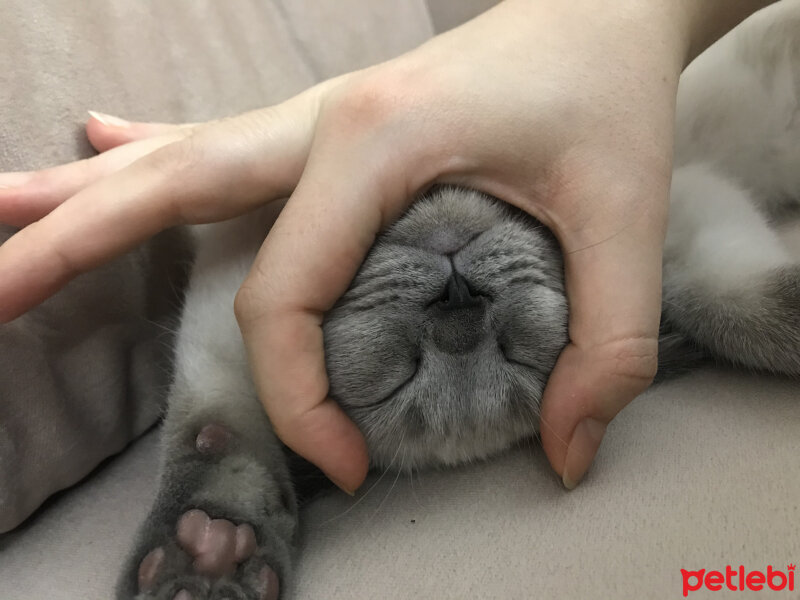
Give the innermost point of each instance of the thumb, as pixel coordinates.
(305, 264)
(614, 293)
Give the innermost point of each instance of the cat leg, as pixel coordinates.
(224, 520)
(729, 285)
(225, 516)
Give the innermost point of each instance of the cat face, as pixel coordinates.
(441, 348)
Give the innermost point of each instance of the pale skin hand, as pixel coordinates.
(560, 108)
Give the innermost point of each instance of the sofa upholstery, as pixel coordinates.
(697, 473)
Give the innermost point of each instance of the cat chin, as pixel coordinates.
(459, 449)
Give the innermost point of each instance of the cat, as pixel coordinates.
(440, 349)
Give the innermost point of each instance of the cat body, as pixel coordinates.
(441, 348)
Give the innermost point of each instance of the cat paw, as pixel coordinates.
(222, 524)
(208, 559)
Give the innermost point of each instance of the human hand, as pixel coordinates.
(561, 109)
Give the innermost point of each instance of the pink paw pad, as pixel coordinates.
(213, 439)
(149, 568)
(269, 586)
(216, 549)
(217, 545)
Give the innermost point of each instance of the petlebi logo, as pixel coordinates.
(739, 579)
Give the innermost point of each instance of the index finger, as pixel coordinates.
(217, 172)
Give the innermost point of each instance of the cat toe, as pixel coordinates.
(268, 585)
(216, 545)
(214, 438)
(149, 569)
(208, 559)
(260, 583)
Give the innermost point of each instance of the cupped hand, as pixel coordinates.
(562, 109)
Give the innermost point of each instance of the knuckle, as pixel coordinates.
(246, 303)
(636, 359)
(174, 159)
(370, 100)
(173, 166)
(68, 265)
(252, 302)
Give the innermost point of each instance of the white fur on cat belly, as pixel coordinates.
(716, 237)
(738, 106)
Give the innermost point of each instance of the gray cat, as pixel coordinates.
(441, 348)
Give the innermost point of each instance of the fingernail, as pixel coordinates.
(582, 449)
(343, 487)
(108, 119)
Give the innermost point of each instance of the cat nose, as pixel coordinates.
(457, 294)
(459, 317)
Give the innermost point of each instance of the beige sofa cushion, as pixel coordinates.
(698, 473)
(446, 14)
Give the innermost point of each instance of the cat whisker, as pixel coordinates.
(162, 326)
(558, 437)
(361, 498)
(389, 493)
(413, 491)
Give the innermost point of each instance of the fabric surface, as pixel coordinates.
(446, 14)
(84, 374)
(697, 473)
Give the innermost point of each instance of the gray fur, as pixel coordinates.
(443, 385)
(441, 348)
